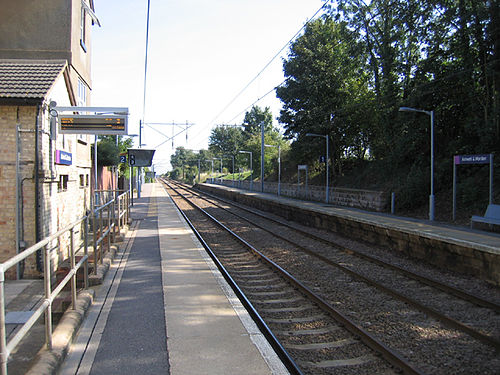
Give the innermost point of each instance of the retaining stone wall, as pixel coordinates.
(364, 199)
(444, 254)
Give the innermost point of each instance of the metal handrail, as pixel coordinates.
(106, 230)
(46, 306)
(112, 224)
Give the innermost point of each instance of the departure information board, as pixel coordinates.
(93, 124)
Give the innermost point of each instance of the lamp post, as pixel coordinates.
(431, 115)
(279, 166)
(262, 156)
(232, 171)
(327, 161)
(251, 169)
(211, 173)
(220, 168)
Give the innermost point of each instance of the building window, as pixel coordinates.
(84, 180)
(82, 93)
(82, 29)
(81, 101)
(62, 184)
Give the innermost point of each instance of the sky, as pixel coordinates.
(201, 55)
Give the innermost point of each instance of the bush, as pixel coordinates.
(413, 191)
(108, 153)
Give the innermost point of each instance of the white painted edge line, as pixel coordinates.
(258, 339)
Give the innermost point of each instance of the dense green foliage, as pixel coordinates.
(226, 142)
(347, 76)
(351, 71)
(108, 152)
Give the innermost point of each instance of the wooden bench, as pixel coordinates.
(491, 216)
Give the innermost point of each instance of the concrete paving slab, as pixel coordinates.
(18, 317)
(214, 359)
(210, 321)
(14, 288)
(194, 294)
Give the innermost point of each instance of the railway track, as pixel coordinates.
(337, 278)
(390, 272)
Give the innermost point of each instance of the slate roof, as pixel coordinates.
(25, 79)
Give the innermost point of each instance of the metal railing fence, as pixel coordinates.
(49, 295)
(107, 219)
(117, 212)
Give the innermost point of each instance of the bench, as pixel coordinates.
(491, 216)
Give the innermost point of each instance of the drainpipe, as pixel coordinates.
(37, 192)
(18, 216)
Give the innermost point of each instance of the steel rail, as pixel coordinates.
(450, 322)
(430, 282)
(392, 356)
(274, 342)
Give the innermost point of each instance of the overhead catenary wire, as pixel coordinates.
(421, 86)
(258, 100)
(267, 65)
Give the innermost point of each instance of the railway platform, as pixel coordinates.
(459, 249)
(163, 308)
(168, 309)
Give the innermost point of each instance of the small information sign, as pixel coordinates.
(63, 157)
(473, 159)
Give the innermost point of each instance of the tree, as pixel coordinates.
(254, 119)
(326, 90)
(434, 55)
(182, 159)
(253, 137)
(225, 140)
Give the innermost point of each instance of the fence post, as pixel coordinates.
(128, 207)
(110, 232)
(3, 332)
(48, 312)
(94, 228)
(101, 235)
(72, 263)
(86, 252)
(113, 218)
(119, 221)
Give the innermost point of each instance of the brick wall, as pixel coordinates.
(10, 116)
(62, 205)
(58, 207)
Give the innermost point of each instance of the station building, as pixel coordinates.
(45, 177)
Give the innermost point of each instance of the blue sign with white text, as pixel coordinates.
(473, 159)
(63, 157)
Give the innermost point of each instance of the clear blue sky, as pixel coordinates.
(201, 55)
